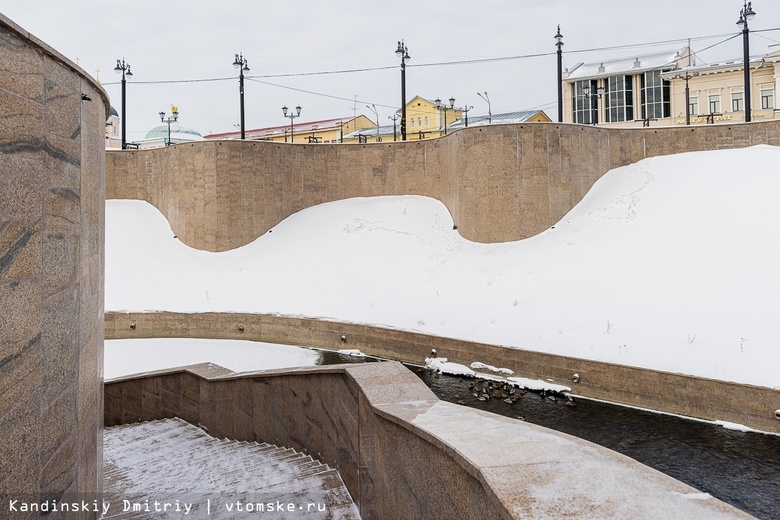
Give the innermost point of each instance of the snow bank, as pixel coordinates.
(668, 264)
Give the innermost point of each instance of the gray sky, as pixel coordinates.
(175, 40)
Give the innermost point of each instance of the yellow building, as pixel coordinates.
(716, 91)
(323, 131)
(426, 119)
(650, 90)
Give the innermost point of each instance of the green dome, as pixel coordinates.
(177, 131)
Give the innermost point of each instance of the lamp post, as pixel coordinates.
(465, 111)
(590, 96)
(242, 65)
(559, 44)
(487, 99)
(124, 68)
(445, 108)
(746, 14)
(394, 119)
(403, 52)
(687, 76)
(373, 109)
(291, 115)
(171, 119)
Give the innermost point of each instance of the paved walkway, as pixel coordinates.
(170, 469)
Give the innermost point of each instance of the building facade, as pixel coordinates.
(322, 131)
(651, 90)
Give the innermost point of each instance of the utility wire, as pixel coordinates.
(449, 63)
(351, 100)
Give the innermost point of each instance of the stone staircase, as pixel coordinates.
(170, 469)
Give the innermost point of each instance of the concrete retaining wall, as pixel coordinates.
(673, 393)
(52, 206)
(500, 183)
(402, 453)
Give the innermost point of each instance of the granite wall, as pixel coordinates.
(52, 192)
(698, 397)
(500, 183)
(402, 453)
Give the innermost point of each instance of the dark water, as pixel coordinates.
(740, 468)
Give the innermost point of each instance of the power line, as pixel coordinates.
(351, 100)
(450, 63)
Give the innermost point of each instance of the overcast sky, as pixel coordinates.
(176, 40)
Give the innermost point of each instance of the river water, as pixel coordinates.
(741, 468)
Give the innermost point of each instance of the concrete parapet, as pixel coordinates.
(681, 394)
(500, 183)
(52, 207)
(402, 453)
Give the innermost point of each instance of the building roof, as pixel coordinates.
(308, 126)
(384, 130)
(521, 116)
(631, 65)
(177, 132)
(735, 64)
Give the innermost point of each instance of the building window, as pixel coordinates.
(419, 122)
(693, 105)
(585, 109)
(412, 120)
(426, 120)
(767, 98)
(737, 101)
(655, 96)
(619, 99)
(714, 100)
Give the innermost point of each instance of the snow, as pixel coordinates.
(482, 366)
(734, 426)
(446, 367)
(668, 264)
(133, 356)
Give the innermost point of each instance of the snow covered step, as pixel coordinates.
(148, 466)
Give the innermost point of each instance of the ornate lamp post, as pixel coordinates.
(403, 53)
(445, 108)
(487, 100)
(394, 118)
(171, 119)
(465, 109)
(241, 64)
(590, 96)
(124, 68)
(559, 44)
(291, 115)
(746, 14)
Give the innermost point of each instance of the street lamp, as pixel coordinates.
(465, 109)
(292, 115)
(687, 76)
(746, 14)
(444, 108)
(590, 96)
(559, 44)
(171, 119)
(241, 64)
(487, 99)
(124, 68)
(403, 52)
(394, 118)
(373, 109)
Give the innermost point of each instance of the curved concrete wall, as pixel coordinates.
(673, 393)
(402, 453)
(52, 191)
(500, 183)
